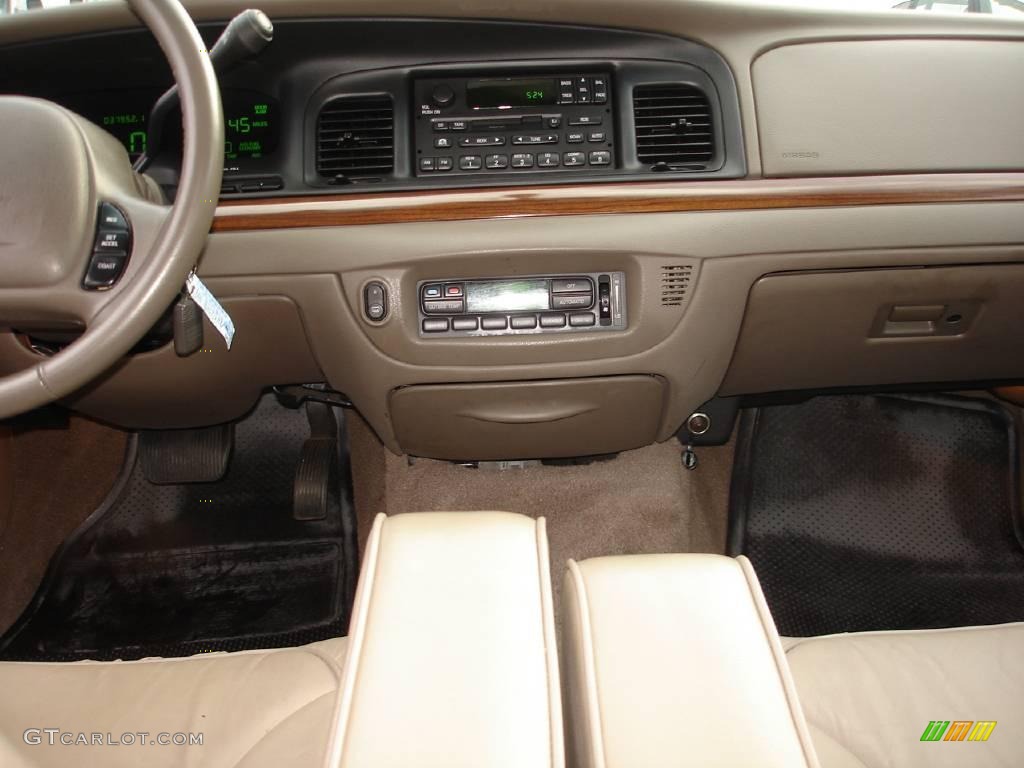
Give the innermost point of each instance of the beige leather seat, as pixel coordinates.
(869, 696)
(674, 660)
(451, 662)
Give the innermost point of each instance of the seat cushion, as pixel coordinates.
(868, 697)
(253, 708)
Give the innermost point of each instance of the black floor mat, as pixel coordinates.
(881, 512)
(173, 570)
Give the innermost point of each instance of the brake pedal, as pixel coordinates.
(172, 456)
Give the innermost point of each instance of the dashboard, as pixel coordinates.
(318, 113)
(565, 232)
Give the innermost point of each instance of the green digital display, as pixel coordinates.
(250, 121)
(499, 93)
(250, 125)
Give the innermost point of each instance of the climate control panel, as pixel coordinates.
(537, 304)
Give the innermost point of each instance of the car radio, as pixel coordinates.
(547, 304)
(537, 123)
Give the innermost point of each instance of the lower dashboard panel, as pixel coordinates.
(532, 419)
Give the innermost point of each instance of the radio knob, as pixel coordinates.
(443, 95)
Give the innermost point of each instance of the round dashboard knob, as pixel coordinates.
(443, 95)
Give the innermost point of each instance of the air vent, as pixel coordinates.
(673, 127)
(355, 137)
(675, 281)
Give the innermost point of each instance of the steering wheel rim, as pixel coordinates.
(181, 232)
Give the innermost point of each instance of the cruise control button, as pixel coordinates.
(602, 157)
(111, 219)
(524, 322)
(572, 300)
(522, 160)
(470, 163)
(494, 323)
(581, 319)
(435, 325)
(571, 285)
(111, 242)
(552, 320)
(444, 307)
(571, 159)
(464, 324)
(496, 161)
(104, 270)
(547, 159)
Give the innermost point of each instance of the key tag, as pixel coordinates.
(214, 311)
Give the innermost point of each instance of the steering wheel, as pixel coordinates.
(59, 172)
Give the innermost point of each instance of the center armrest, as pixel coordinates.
(452, 659)
(674, 660)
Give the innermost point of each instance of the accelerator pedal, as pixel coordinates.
(173, 456)
(317, 472)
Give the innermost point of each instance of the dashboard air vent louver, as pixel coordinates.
(673, 127)
(675, 281)
(355, 136)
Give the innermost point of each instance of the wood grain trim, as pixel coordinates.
(631, 197)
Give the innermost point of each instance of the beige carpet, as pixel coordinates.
(643, 501)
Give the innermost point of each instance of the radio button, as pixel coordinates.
(435, 325)
(581, 319)
(465, 324)
(586, 120)
(572, 300)
(596, 136)
(440, 125)
(470, 163)
(522, 160)
(583, 97)
(442, 142)
(602, 157)
(524, 322)
(443, 95)
(494, 323)
(576, 137)
(432, 291)
(427, 164)
(496, 161)
(535, 138)
(571, 285)
(444, 163)
(547, 160)
(444, 307)
(482, 141)
(572, 159)
(458, 125)
(555, 121)
(567, 97)
(552, 320)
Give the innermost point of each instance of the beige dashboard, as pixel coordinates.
(790, 283)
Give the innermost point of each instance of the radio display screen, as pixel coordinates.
(506, 93)
(507, 296)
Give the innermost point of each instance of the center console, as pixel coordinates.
(503, 125)
(523, 305)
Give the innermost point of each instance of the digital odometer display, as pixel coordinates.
(510, 92)
(250, 125)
